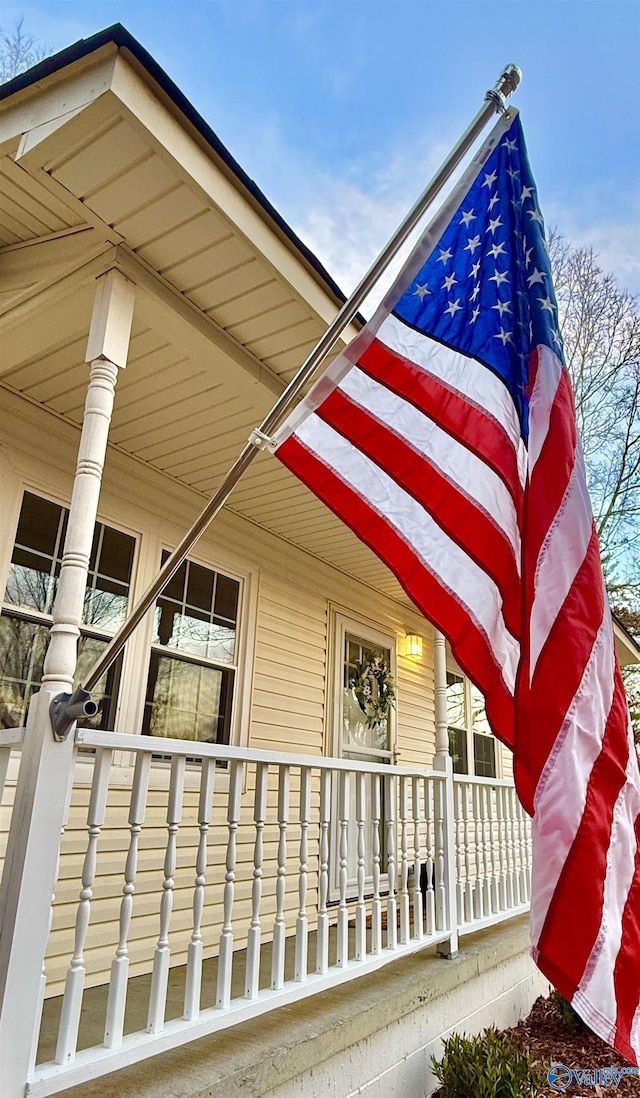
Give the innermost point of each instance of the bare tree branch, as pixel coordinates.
(18, 52)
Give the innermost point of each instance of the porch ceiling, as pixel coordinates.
(100, 169)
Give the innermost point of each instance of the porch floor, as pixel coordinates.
(266, 1054)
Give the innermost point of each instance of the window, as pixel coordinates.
(28, 602)
(354, 738)
(469, 732)
(192, 668)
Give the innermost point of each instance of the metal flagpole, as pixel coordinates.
(65, 708)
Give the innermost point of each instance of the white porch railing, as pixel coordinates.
(492, 851)
(302, 873)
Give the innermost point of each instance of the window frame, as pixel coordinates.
(42, 619)
(470, 732)
(242, 665)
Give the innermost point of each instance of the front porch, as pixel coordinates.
(273, 878)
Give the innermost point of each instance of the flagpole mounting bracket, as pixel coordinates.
(507, 83)
(262, 441)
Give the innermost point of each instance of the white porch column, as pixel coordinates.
(46, 770)
(440, 685)
(442, 761)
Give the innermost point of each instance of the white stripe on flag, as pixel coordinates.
(578, 744)
(461, 467)
(597, 984)
(544, 393)
(482, 388)
(560, 559)
(441, 556)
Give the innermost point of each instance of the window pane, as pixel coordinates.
(479, 720)
(226, 603)
(484, 755)
(39, 524)
(22, 648)
(455, 701)
(106, 609)
(105, 692)
(187, 701)
(175, 586)
(30, 583)
(116, 557)
(200, 588)
(458, 750)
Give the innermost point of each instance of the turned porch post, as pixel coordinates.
(46, 769)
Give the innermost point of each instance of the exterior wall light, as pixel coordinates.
(413, 646)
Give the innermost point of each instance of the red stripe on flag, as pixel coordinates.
(472, 648)
(626, 975)
(556, 678)
(461, 518)
(571, 926)
(466, 423)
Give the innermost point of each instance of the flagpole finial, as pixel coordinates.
(507, 83)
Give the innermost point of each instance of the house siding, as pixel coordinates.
(286, 698)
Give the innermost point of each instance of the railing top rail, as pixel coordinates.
(11, 737)
(471, 779)
(120, 741)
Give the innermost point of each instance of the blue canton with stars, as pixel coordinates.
(486, 288)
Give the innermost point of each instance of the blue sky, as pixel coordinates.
(342, 109)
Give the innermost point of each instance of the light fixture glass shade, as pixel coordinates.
(413, 646)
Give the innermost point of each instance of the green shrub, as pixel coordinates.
(567, 1013)
(487, 1066)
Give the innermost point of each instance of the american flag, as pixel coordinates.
(445, 437)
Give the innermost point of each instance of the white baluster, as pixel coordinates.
(279, 928)
(486, 848)
(468, 886)
(162, 955)
(494, 852)
(430, 907)
(522, 853)
(404, 864)
(390, 811)
(511, 864)
(193, 979)
(114, 1022)
(479, 884)
(225, 956)
(376, 906)
(74, 984)
(502, 838)
(457, 830)
(322, 956)
(342, 947)
(302, 924)
(440, 889)
(418, 927)
(361, 908)
(255, 933)
(322, 937)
